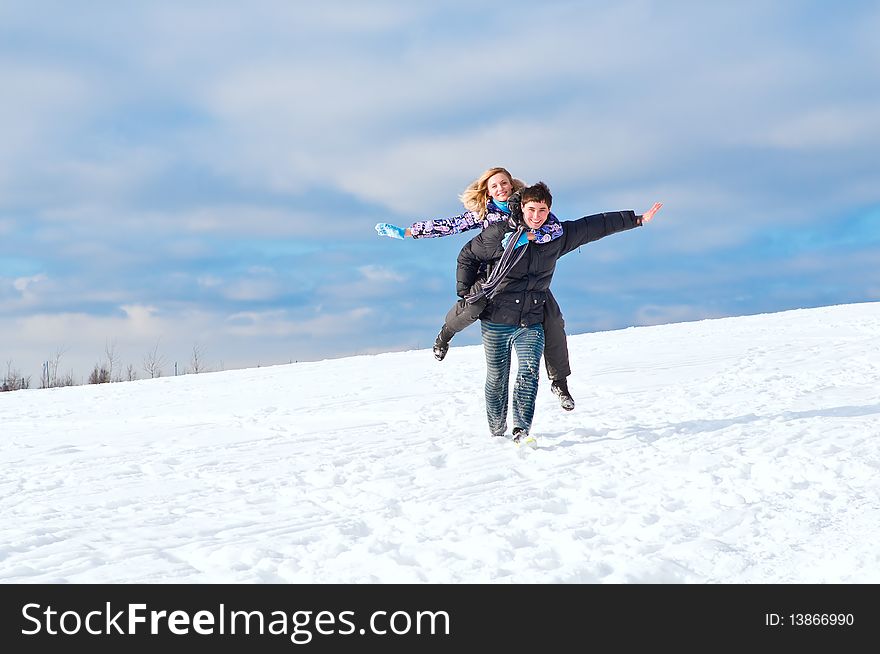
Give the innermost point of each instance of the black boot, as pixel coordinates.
(560, 389)
(441, 344)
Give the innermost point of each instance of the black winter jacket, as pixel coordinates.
(520, 298)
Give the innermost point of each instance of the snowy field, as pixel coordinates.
(738, 450)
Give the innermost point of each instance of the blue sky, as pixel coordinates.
(208, 174)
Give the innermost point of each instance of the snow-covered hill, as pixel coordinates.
(733, 450)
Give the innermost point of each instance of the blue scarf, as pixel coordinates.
(501, 206)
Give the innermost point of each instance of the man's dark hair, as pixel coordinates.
(537, 193)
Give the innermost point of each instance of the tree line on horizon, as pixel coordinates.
(108, 370)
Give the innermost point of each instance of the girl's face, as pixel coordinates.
(499, 187)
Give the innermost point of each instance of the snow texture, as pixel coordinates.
(738, 450)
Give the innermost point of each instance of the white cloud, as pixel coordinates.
(144, 321)
(106, 174)
(24, 292)
(375, 281)
(21, 284)
(117, 235)
(29, 289)
(209, 281)
(380, 274)
(275, 323)
(252, 289)
(825, 128)
(32, 98)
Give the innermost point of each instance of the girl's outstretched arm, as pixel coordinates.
(432, 228)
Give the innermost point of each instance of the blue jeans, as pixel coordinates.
(498, 342)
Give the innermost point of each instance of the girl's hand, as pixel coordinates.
(389, 230)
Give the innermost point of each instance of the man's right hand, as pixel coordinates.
(649, 214)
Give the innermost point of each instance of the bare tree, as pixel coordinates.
(131, 373)
(153, 362)
(100, 374)
(49, 378)
(14, 380)
(196, 362)
(112, 360)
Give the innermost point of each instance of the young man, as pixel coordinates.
(486, 201)
(515, 311)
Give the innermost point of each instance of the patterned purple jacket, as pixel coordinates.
(549, 231)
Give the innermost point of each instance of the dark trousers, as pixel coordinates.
(463, 314)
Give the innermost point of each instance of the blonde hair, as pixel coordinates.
(476, 195)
